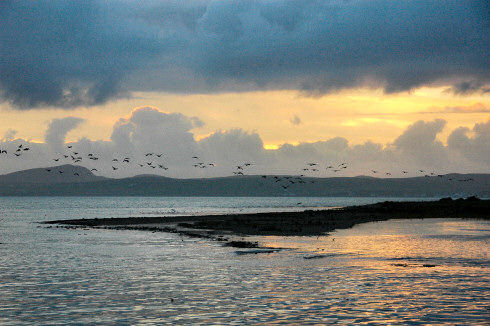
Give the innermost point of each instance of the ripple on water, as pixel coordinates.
(59, 276)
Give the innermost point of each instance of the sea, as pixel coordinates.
(396, 272)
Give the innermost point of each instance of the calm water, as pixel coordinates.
(395, 272)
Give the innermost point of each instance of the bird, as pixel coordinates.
(114, 168)
(3, 151)
(93, 169)
(76, 173)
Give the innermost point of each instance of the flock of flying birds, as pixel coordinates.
(155, 161)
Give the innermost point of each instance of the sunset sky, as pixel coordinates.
(389, 86)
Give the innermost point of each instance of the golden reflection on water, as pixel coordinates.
(388, 273)
(417, 270)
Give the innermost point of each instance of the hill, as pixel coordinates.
(57, 174)
(40, 182)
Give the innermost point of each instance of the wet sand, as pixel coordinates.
(306, 223)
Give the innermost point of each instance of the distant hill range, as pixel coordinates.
(69, 180)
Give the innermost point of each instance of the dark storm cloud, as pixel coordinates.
(84, 53)
(67, 53)
(468, 87)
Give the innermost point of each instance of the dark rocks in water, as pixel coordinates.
(314, 256)
(255, 252)
(241, 244)
(413, 265)
(400, 265)
(186, 225)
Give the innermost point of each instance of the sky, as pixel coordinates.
(382, 86)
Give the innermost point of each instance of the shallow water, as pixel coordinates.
(433, 271)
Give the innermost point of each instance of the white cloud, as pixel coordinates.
(57, 130)
(476, 148)
(419, 143)
(149, 130)
(9, 135)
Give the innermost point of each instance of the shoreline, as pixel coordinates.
(228, 227)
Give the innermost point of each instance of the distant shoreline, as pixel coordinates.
(70, 180)
(304, 223)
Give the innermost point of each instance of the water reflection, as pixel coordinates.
(373, 274)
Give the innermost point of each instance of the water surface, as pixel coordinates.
(433, 271)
